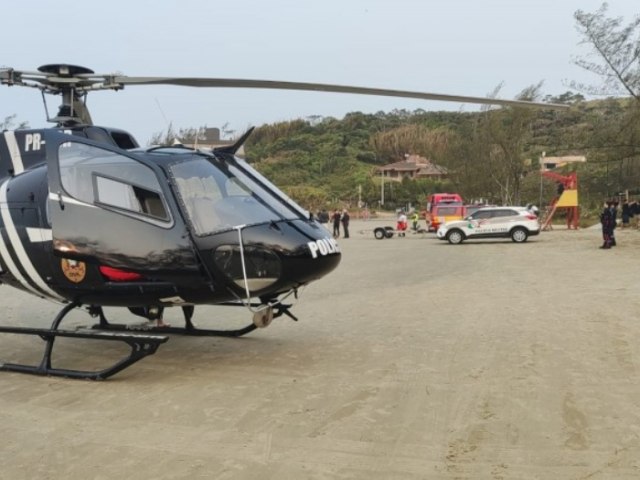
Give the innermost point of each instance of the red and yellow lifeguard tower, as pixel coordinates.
(566, 200)
(567, 193)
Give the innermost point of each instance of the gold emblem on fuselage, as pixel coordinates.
(74, 270)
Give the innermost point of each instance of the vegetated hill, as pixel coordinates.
(331, 162)
(326, 160)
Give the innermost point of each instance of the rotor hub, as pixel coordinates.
(65, 70)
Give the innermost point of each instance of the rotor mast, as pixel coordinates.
(71, 82)
(73, 109)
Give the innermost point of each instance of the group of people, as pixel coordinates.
(630, 211)
(402, 224)
(609, 219)
(336, 218)
(340, 218)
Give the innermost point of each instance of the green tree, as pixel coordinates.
(491, 152)
(614, 140)
(508, 131)
(467, 160)
(9, 123)
(392, 145)
(616, 48)
(164, 138)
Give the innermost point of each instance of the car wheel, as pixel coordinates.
(519, 235)
(379, 233)
(388, 232)
(455, 236)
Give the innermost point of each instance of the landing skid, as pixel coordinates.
(141, 346)
(189, 328)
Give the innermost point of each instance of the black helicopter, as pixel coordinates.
(89, 219)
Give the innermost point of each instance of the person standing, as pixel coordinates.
(415, 217)
(401, 224)
(606, 219)
(635, 213)
(614, 213)
(335, 218)
(626, 214)
(345, 222)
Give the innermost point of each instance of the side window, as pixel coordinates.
(98, 176)
(118, 194)
(504, 213)
(481, 214)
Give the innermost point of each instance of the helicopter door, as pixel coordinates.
(109, 208)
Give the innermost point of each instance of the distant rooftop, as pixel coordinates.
(413, 166)
(551, 163)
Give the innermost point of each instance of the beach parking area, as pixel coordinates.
(415, 359)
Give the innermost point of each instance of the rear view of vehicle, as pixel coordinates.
(436, 200)
(445, 213)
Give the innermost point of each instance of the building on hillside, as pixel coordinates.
(551, 163)
(412, 167)
(210, 138)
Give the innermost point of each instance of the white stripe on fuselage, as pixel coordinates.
(66, 199)
(6, 256)
(38, 235)
(21, 254)
(14, 151)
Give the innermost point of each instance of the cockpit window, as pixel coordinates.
(117, 193)
(97, 176)
(220, 197)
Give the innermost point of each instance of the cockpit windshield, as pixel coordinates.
(219, 196)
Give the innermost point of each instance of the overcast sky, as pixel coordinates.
(463, 47)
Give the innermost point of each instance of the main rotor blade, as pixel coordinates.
(320, 87)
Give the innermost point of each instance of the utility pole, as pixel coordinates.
(540, 173)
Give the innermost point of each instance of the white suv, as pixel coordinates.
(517, 223)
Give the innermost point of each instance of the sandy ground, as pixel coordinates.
(414, 360)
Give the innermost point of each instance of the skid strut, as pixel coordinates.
(189, 328)
(141, 346)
